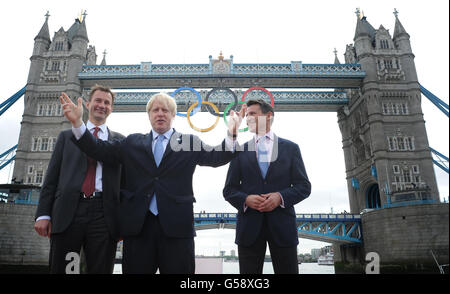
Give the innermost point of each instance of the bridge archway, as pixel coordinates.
(373, 199)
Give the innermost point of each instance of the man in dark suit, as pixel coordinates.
(79, 199)
(156, 210)
(264, 183)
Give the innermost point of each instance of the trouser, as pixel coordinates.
(89, 231)
(251, 258)
(152, 250)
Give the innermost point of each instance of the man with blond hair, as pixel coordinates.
(80, 197)
(156, 214)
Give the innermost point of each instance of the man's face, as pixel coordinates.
(100, 107)
(160, 117)
(257, 121)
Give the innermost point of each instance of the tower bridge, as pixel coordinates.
(375, 93)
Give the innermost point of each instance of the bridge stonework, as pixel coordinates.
(387, 156)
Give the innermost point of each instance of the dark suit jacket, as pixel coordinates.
(64, 178)
(171, 181)
(286, 174)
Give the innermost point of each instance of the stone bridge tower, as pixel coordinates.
(385, 143)
(55, 64)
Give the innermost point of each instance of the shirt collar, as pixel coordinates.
(167, 134)
(269, 135)
(90, 126)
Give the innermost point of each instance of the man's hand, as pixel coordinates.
(235, 120)
(72, 112)
(254, 201)
(272, 201)
(43, 227)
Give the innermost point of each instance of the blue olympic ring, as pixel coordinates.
(198, 96)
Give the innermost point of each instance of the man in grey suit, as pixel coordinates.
(79, 199)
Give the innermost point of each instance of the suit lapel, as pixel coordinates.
(147, 141)
(275, 153)
(251, 145)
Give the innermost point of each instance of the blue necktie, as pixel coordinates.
(158, 154)
(263, 159)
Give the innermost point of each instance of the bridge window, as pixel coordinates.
(55, 65)
(401, 143)
(52, 144)
(39, 176)
(384, 44)
(415, 169)
(44, 144)
(396, 169)
(390, 108)
(388, 64)
(406, 176)
(35, 144)
(30, 169)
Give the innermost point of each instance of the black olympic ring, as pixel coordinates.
(209, 108)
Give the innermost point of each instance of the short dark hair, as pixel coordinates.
(265, 107)
(106, 89)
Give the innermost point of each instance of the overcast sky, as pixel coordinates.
(253, 32)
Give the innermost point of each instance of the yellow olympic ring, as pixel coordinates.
(188, 116)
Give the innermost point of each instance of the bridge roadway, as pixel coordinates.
(332, 228)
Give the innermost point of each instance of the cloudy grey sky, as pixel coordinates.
(253, 32)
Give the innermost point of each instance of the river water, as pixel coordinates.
(233, 268)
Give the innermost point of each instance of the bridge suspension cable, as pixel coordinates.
(11, 100)
(435, 100)
(441, 160)
(4, 161)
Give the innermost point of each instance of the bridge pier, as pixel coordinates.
(403, 237)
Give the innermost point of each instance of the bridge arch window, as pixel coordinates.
(373, 199)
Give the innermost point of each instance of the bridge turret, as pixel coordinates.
(403, 44)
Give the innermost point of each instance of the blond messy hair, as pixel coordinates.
(167, 100)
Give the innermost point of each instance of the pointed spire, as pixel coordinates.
(44, 32)
(363, 27)
(336, 59)
(399, 29)
(104, 58)
(82, 32)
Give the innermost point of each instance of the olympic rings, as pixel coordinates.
(232, 105)
(198, 97)
(188, 115)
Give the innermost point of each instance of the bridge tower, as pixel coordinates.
(383, 130)
(55, 64)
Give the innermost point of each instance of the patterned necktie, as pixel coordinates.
(88, 187)
(263, 159)
(158, 154)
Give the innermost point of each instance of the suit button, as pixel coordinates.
(149, 196)
(156, 178)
